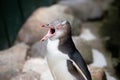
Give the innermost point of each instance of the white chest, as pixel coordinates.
(55, 56)
(57, 62)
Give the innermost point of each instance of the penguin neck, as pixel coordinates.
(66, 45)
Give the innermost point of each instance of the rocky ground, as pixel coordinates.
(25, 60)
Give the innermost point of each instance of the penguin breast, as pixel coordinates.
(57, 62)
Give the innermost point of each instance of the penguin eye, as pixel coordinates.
(47, 24)
(64, 22)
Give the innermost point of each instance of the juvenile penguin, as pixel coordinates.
(64, 60)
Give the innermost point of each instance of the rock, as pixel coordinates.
(92, 31)
(105, 4)
(15, 56)
(11, 61)
(97, 73)
(110, 77)
(6, 73)
(39, 66)
(31, 30)
(100, 60)
(87, 35)
(84, 49)
(104, 60)
(38, 49)
(84, 9)
(27, 76)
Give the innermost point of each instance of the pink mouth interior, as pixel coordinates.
(50, 33)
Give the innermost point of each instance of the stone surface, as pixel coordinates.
(15, 56)
(84, 49)
(38, 65)
(99, 59)
(27, 76)
(31, 30)
(38, 49)
(97, 73)
(105, 4)
(96, 42)
(6, 73)
(84, 9)
(12, 60)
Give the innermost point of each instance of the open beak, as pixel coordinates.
(50, 32)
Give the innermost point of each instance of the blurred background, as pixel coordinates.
(95, 31)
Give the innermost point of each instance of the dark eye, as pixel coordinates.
(47, 24)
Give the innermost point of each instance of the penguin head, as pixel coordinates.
(58, 29)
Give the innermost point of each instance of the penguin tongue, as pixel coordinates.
(50, 33)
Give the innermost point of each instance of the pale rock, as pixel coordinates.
(40, 66)
(84, 9)
(32, 31)
(27, 76)
(12, 60)
(97, 73)
(110, 77)
(38, 49)
(6, 73)
(92, 30)
(105, 4)
(87, 35)
(15, 56)
(99, 59)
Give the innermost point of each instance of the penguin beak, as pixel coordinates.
(50, 32)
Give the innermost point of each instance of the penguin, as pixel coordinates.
(64, 60)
